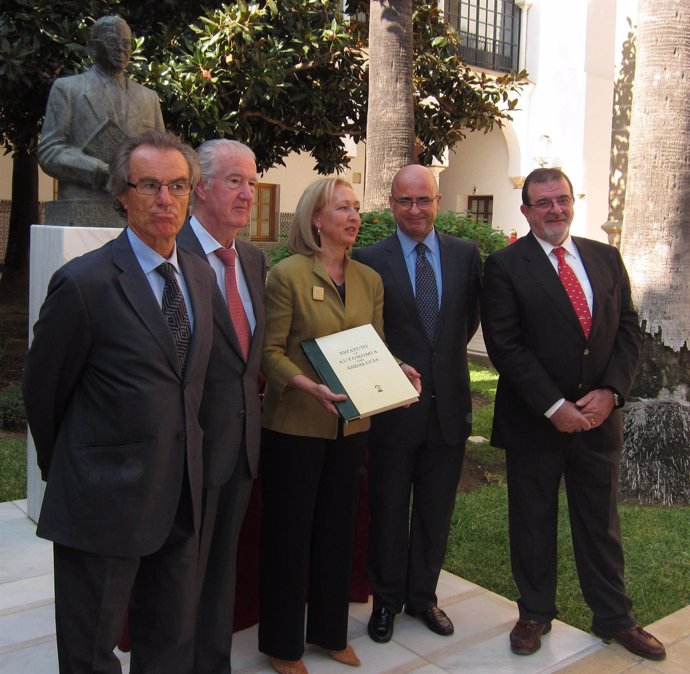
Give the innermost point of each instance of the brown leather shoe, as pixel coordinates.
(637, 641)
(347, 656)
(525, 637)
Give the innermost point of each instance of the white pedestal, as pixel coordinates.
(51, 247)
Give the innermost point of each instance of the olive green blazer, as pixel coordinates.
(302, 302)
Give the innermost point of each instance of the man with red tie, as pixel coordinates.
(561, 330)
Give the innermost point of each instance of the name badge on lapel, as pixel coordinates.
(317, 293)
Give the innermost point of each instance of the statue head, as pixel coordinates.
(111, 43)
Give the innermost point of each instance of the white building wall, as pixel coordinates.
(299, 172)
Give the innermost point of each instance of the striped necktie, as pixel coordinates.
(175, 313)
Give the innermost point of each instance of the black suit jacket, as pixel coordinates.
(232, 409)
(114, 421)
(444, 367)
(535, 341)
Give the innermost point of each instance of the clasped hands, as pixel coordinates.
(584, 414)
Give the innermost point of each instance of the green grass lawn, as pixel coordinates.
(12, 468)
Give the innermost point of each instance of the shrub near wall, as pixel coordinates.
(12, 412)
(377, 225)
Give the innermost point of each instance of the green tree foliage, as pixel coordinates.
(37, 45)
(281, 77)
(292, 76)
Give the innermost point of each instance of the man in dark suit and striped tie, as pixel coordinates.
(113, 384)
(430, 312)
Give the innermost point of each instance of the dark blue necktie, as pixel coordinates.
(426, 293)
(175, 312)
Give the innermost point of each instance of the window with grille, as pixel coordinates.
(264, 214)
(490, 32)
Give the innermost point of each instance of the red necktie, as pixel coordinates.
(574, 289)
(239, 317)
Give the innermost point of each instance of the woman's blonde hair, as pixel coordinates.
(303, 237)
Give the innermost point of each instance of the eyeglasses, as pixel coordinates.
(548, 204)
(407, 202)
(150, 188)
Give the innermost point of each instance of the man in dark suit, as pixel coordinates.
(113, 386)
(419, 451)
(561, 330)
(231, 413)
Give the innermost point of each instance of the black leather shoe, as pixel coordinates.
(435, 619)
(380, 625)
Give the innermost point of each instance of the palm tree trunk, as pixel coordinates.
(656, 247)
(390, 117)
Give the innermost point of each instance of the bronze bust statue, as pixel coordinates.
(87, 116)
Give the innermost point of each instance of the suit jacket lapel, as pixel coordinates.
(449, 265)
(188, 239)
(138, 292)
(597, 280)
(398, 268)
(94, 96)
(199, 307)
(541, 269)
(255, 282)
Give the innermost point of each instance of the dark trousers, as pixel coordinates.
(92, 593)
(310, 488)
(407, 548)
(591, 481)
(224, 510)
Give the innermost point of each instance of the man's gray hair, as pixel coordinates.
(208, 156)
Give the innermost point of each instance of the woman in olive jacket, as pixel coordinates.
(311, 460)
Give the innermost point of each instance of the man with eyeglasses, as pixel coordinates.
(113, 386)
(431, 294)
(231, 413)
(87, 116)
(561, 330)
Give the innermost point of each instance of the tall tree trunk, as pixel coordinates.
(24, 213)
(390, 116)
(656, 248)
